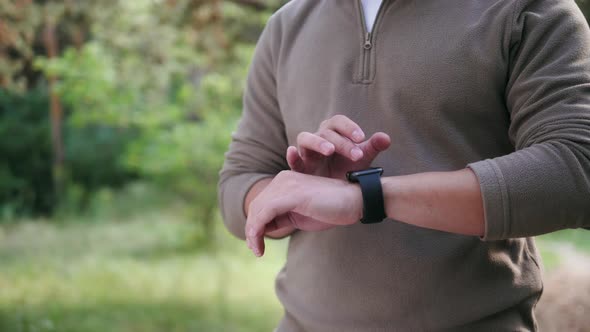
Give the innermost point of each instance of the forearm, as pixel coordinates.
(445, 201)
(256, 189)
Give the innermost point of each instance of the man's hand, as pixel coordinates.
(306, 202)
(337, 147)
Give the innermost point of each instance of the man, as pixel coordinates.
(481, 118)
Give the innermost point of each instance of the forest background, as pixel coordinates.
(114, 118)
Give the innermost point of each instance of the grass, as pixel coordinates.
(141, 275)
(146, 275)
(550, 245)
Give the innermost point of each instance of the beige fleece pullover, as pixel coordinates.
(500, 86)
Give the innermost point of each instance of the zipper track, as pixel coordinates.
(368, 41)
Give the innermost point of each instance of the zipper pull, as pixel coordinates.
(368, 44)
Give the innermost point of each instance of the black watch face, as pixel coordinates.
(353, 175)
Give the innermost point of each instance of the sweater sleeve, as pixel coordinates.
(544, 185)
(259, 144)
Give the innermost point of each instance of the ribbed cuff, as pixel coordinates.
(232, 193)
(496, 202)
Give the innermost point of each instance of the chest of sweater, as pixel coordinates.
(433, 77)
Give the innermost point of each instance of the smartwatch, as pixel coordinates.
(373, 202)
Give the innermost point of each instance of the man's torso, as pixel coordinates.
(433, 79)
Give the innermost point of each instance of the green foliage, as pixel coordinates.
(93, 154)
(152, 90)
(25, 165)
(185, 153)
(17, 33)
(88, 85)
(180, 97)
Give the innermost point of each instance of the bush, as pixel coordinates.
(93, 156)
(26, 185)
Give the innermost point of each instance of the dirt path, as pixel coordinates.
(565, 304)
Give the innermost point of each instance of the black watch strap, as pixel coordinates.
(373, 202)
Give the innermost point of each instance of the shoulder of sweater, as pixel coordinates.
(294, 8)
(546, 13)
(547, 7)
(289, 19)
(295, 12)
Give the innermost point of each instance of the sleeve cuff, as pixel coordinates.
(232, 193)
(496, 203)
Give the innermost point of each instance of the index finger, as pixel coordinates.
(345, 127)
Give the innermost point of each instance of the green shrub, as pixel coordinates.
(93, 156)
(26, 185)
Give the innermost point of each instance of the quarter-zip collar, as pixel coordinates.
(366, 72)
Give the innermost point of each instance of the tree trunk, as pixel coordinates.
(55, 109)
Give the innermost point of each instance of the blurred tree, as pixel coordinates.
(172, 73)
(28, 28)
(148, 88)
(55, 108)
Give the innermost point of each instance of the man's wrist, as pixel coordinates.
(369, 180)
(355, 201)
(255, 189)
(390, 187)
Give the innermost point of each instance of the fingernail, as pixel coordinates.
(326, 147)
(356, 153)
(358, 135)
